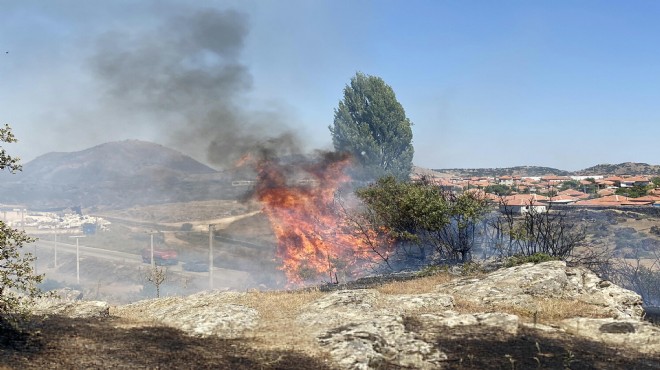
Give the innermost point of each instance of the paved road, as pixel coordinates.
(89, 251)
(131, 258)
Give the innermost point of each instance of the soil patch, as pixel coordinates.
(63, 343)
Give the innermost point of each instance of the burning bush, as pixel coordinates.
(316, 241)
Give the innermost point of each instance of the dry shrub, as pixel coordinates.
(425, 284)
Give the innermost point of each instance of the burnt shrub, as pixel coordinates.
(649, 244)
(655, 230)
(625, 232)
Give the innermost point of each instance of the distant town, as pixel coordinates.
(66, 221)
(521, 192)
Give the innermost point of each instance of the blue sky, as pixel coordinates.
(566, 84)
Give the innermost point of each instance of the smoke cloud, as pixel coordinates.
(185, 79)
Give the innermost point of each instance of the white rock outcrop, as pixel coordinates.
(520, 285)
(73, 309)
(640, 335)
(67, 302)
(202, 314)
(360, 330)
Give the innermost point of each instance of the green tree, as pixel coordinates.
(570, 184)
(7, 161)
(423, 219)
(498, 189)
(18, 282)
(459, 237)
(656, 181)
(408, 211)
(635, 191)
(371, 124)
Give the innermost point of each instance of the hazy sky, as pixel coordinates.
(567, 84)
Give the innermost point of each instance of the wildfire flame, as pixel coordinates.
(314, 238)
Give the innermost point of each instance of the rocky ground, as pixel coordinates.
(530, 316)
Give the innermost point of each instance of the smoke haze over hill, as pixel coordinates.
(184, 79)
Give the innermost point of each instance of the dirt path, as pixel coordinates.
(219, 223)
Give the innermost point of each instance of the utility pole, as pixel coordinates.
(55, 254)
(153, 263)
(77, 237)
(210, 256)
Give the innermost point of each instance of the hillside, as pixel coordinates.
(115, 174)
(530, 316)
(508, 171)
(627, 168)
(109, 162)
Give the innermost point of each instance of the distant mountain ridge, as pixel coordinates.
(626, 168)
(112, 175)
(531, 171)
(109, 161)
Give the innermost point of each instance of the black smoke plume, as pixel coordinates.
(184, 79)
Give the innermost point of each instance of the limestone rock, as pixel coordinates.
(638, 335)
(202, 314)
(362, 329)
(73, 309)
(413, 302)
(430, 327)
(520, 285)
(369, 344)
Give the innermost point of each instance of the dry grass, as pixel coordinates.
(279, 304)
(277, 326)
(553, 309)
(425, 284)
(543, 310)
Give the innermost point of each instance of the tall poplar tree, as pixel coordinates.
(372, 125)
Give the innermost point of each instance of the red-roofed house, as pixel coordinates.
(629, 182)
(608, 201)
(605, 192)
(554, 179)
(521, 206)
(562, 199)
(574, 194)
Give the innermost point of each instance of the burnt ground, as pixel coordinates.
(63, 343)
(468, 349)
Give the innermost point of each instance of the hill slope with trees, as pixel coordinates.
(626, 168)
(114, 174)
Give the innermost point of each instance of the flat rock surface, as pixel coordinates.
(520, 285)
(202, 314)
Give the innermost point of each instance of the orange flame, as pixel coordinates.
(314, 238)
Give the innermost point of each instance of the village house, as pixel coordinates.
(629, 182)
(523, 203)
(520, 206)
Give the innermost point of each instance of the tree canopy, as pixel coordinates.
(372, 125)
(423, 220)
(18, 282)
(7, 161)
